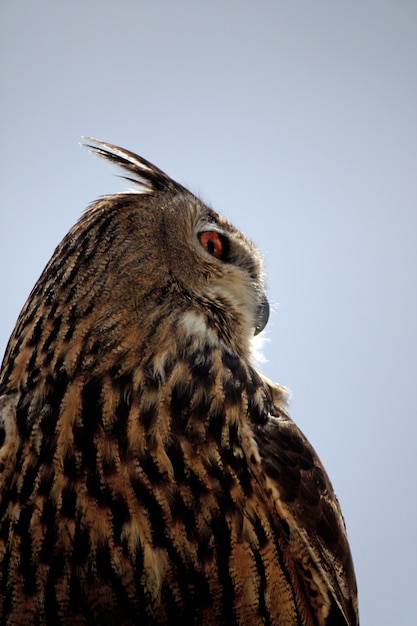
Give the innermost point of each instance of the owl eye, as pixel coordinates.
(213, 243)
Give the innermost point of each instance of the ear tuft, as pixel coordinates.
(143, 173)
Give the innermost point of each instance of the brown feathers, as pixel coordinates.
(148, 473)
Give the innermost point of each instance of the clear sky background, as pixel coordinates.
(298, 120)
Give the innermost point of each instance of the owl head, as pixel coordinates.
(181, 256)
(152, 269)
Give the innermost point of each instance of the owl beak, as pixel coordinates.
(262, 315)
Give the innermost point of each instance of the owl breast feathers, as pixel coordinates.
(148, 473)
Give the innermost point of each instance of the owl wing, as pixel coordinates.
(304, 498)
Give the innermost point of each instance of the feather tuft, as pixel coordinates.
(150, 178)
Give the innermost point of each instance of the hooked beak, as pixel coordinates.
(262, 315)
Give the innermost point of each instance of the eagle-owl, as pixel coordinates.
(148, 473)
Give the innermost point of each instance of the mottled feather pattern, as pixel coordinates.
(148, 473)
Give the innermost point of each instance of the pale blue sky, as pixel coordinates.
(296, 119)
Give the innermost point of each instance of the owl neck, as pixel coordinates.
(177, 411)
(204, 394)
(199, 391)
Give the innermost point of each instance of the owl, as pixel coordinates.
(149, 474)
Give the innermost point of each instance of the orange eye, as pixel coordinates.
(213, 243)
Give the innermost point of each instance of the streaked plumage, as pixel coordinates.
(148, 473)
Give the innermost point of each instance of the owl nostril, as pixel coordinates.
(262, 315)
